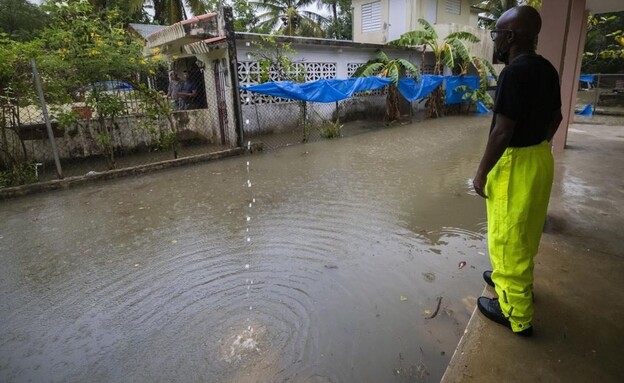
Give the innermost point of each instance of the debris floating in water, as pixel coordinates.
(436, 310)
(462, 264)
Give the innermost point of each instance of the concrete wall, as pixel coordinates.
(561, 41)
(131, 133)
(323, 59)
(216, 62)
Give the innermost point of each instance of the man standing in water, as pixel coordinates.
(516, 172)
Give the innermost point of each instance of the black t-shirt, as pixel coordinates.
(528, 92)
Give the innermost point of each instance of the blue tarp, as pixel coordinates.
(325, 90)
(412, 90)
(331, 90)
(587, 78)
(586, 111)
(482, 109)
(454, 96)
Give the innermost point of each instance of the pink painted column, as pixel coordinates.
(561, 42)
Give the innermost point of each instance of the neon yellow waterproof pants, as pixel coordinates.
(518, 190)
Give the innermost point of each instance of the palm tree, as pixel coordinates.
(169, 12)
(447, 52)
(383, 66)
(288, 17)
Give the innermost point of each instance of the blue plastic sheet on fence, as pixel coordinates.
(331, 90)
(587, 78)
(413, 90)
(481, 108)
(324, 90)
(455, 96)
(586, 111)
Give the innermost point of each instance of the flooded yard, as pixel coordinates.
(336, 261)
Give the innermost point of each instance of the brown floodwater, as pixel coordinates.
(312, 263)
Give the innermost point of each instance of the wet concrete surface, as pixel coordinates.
(579, 278)
(312, 263)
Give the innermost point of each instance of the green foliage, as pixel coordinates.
(245, 18)
(19, 174)
(446, 51)
(451, 51)
(21, 20)
(493, 9)
(81, 46)
(16, 82)
(340, 23)
(275, 61)
(330, 129)
(383, 66)
(167, 12)
(472, 96)
(604, 44)
(132, 11)
(106, 105)
(157, 109)
(288, 17)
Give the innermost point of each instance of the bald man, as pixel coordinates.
(516, 172)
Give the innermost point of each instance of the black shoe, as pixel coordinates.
(491, 309)
(487, 277)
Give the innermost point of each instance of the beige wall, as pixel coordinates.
(483, 49)
(463, 18)
(413, 10)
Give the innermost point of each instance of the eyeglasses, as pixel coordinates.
(494, 33)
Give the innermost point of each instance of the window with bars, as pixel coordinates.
(453, 7)
(371, 17)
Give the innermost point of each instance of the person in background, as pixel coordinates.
(174, 89)
(515, 174)
(188, 92)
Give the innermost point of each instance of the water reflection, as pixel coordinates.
(322, 267)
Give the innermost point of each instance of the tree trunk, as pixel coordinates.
(393, 112)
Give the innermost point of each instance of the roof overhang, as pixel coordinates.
(196, 31)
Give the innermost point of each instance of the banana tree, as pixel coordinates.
(449, 52)
(288, 17)
(472, 96)
(383, 66)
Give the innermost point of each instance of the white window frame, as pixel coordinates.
(371, 17)
(453, 7)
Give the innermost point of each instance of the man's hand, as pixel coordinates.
(499, 140)
(479, 184)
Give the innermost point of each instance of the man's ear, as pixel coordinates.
(511, 36)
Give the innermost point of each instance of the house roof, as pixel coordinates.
(145, 30)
